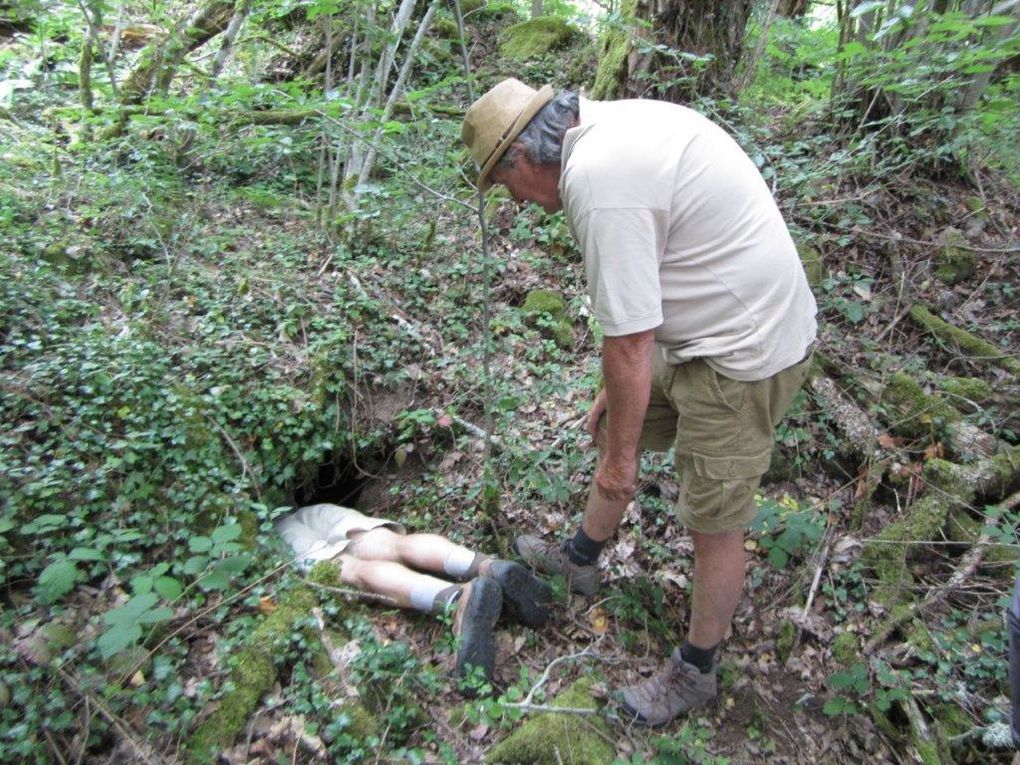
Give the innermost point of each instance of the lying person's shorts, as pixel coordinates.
(322, 532)
(723, 432)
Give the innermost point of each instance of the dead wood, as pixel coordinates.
(860, 433)
(974, 348)
(951, 487)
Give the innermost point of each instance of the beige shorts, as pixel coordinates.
(322, 532)
(723, 432)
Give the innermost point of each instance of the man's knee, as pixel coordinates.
(379, 543)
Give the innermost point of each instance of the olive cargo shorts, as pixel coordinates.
(723, 431)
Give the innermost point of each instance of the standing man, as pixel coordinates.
(708, 324)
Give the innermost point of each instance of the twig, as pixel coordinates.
(822, 559)
(245, 470)
(527, 704)
(126, 733)
(908, 240)
(355, 594)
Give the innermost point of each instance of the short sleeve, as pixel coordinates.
(622, 250)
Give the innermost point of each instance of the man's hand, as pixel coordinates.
(616, 480)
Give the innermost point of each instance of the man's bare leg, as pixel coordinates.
(425, 552)
(718, 579)
(528, 599)
(395, 583)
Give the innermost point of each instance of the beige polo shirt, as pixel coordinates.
(680, 234)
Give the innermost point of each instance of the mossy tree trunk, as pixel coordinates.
(160, 60)
(674, 50)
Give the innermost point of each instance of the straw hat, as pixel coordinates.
(496, 119)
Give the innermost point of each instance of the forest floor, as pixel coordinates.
(180, 265)
(771, 706)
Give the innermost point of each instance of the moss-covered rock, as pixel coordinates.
(846, 648)
(550, 738)
(811, 259)
(533, 38)
(954, 264)
(546, 310)
(252, 674)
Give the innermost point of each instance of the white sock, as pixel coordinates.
(458, 562)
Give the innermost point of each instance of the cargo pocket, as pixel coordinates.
(717, 493)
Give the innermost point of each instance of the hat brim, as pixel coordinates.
(540, 99)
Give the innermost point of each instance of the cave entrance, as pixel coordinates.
(334, 479)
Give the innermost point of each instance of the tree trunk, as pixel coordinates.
(160, 60)
(792, 9)
(703, 45)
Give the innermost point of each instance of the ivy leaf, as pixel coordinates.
(86, 553)
(125, 623)
(200, 544)
(168, 587)
(196, 564)
(224, 534)
(56, 580)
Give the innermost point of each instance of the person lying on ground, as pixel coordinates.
(413, 571)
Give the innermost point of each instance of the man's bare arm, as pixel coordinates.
(627, 371)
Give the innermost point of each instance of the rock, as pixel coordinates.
(533, 38)
(954, 264)
(550, 738)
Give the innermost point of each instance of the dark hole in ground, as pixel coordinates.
(334, 480)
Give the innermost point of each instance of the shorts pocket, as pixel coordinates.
(725, 468)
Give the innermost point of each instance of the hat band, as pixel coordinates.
(507, 132)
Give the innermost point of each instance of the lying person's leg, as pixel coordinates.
(526, 597)
(478, 603)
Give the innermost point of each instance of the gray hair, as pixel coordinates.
(542, 139)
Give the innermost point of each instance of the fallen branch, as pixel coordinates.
(350, 594)
(968, 565)
(973, 347)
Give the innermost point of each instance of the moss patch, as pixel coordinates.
(612, 69)
(970, 389)
(846, 648)
(814, 268)
(531, 39)
(549, 739)
(784, 640)
(954, 264)
(912, 411)
(252, 674)
(546, 310)
(975, 347)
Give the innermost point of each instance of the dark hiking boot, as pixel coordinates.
(477, 612)
(527, 599)
(551, 558)
(667, 694)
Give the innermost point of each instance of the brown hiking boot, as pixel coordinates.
(670, 692)
(526, 599)
(551, 558)
(477, 612)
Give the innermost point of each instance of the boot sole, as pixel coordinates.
(477, 642)
(528, 598)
